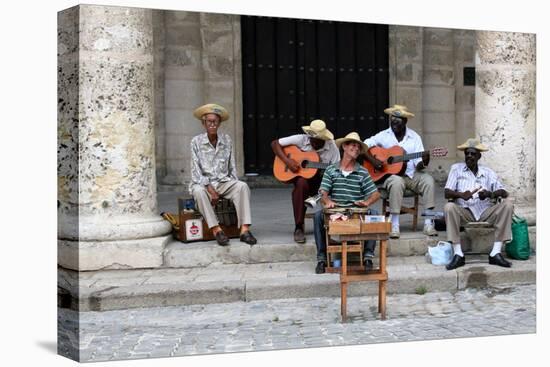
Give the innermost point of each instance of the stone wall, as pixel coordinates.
(202, 64)
(426, 76)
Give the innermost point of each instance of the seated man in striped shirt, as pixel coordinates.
(473, 186)
(345, 184)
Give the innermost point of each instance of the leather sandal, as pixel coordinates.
(222, 239)
(247, 237)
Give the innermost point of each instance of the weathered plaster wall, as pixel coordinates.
(505, 110)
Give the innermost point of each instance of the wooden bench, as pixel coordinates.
(412, 210)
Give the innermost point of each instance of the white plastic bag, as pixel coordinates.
(441, 254)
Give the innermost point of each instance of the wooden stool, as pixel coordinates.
(334, 248)
(404, 209)
(357, 231)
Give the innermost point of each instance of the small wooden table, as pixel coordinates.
(367, 231)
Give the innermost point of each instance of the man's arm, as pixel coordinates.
(197, 177)
(326, 200)
(376, 163)
(423, 163)
(484, 194)
(196, 171)
(278, 150)
(369, 201)
(467, 195)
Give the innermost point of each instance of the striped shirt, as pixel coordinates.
(461, 179)
(346, 190)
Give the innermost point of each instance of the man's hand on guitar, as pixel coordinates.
(293, 165)
(361, 203)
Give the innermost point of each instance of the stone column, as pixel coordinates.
(464, 50)
(406, 70)
(107, 207)
(505, 111)
(438, 97)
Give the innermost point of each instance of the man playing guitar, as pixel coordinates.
(316, 138)
(413, 178)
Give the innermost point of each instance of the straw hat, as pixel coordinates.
(353, 136)
(399, 111)
(318, 129)
(473, 143)
(211, 108)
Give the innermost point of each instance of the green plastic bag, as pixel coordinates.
(519, 248)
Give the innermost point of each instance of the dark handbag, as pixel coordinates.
(519, 247)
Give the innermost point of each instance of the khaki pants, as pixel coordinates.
(236, 191)
(421, 182)
(499, 215)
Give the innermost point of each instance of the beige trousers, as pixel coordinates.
(236, 191)
(421, 182)
(499, 215)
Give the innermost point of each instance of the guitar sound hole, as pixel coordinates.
(304, 163)
(390, 160)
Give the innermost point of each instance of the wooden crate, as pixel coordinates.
(230, 231)
(350, 226)
(227, 217)
(377, 227)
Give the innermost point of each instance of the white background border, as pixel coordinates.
(28, 183)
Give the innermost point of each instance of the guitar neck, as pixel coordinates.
(408, 157)
(320, 165)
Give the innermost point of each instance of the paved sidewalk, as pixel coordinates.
(294, 323)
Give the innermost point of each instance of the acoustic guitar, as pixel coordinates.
(395, 160)
(308, 161)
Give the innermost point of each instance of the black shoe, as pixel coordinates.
(499, 260)
(320, 268)
(222, 239)
(368, 264)
(299, 235)
(247, 237)
(456, 262)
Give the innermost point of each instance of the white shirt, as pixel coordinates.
(329, 153)
(411, 143)
(461, 179)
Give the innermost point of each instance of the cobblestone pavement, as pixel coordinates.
(295, 323)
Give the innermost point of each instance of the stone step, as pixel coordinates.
(221, 283)
(276, 249)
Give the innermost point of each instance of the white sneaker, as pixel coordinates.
(429, 229)
(394, 233)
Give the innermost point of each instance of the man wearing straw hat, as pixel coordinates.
(316, 138)
(213, 174)
(414, 179)
(472, 186)
(345, 184)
